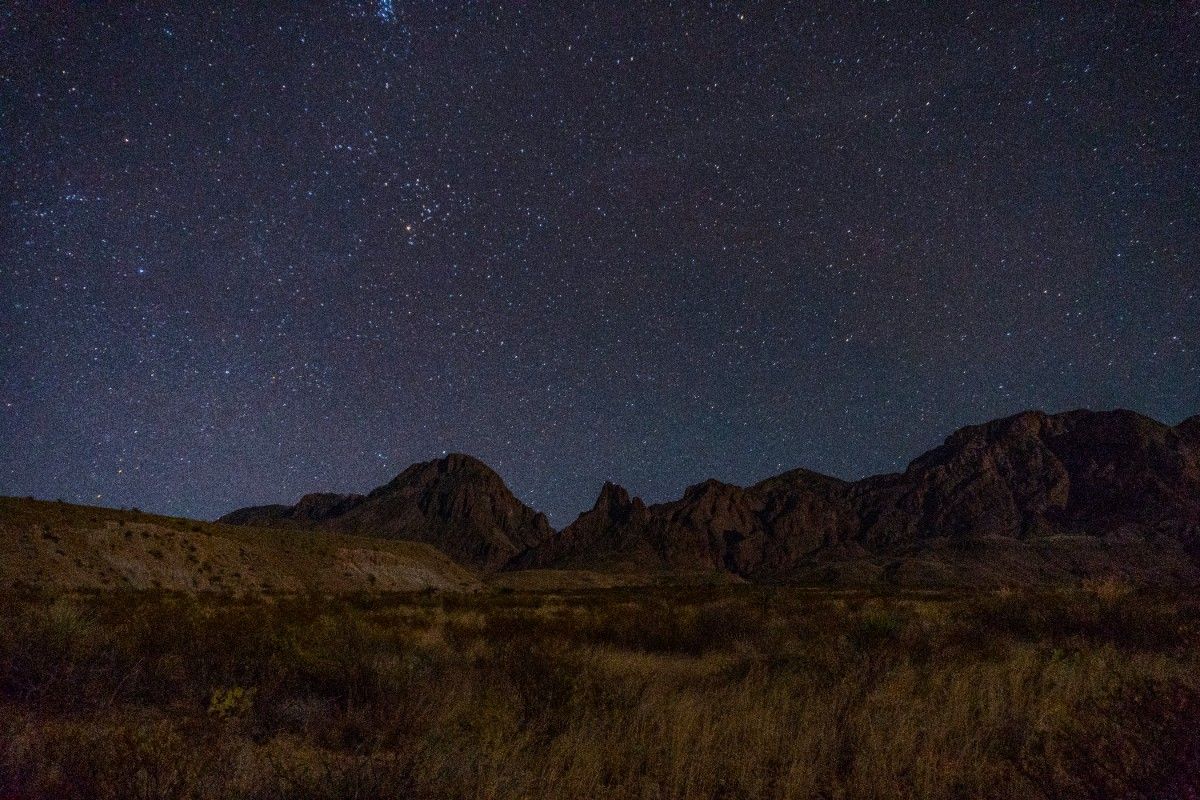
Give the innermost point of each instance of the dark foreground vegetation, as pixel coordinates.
(723, 692)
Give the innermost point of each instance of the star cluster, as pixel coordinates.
(252, 250)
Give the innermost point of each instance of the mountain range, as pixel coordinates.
(1030, 497)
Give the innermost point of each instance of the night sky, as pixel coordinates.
(257, 249)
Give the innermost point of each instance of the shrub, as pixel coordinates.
(234, 702)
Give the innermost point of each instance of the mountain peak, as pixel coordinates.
(455, 462)
(457, 503)
(615, 504)
(611, 496)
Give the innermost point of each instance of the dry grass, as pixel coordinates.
(724, 692)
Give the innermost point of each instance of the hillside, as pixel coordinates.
(60, 546)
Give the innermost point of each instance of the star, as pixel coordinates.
(684, 242)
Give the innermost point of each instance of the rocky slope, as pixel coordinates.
(1047, 495)
(457, 503)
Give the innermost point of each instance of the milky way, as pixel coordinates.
(253, 250)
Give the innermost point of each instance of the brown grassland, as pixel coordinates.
(654, 692)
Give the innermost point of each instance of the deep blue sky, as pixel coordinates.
(247, 253)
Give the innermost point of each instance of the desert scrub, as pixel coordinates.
(623, 693)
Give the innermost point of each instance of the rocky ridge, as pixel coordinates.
(1049, 494)
(1021, 482)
